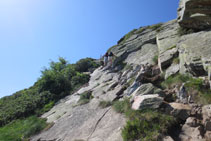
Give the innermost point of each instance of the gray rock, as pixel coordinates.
(206, 112)
(173, 69)
(192, 122)
(191, 134)
(195, 53)
(146, 89)
(144, 55)
(208, 136)
(167, 41)
(167, 138)
(180, 111)
(195, 14)
(86, 122)
(151, 101)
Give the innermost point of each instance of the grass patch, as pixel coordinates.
(155, 59)
(144, 124)
(45, 109)
(184, 31)
(104, 104)
(172, 47)
(156, 26)
(194, 87)
(85, 97)
(176, 60)
(127, 36)
(122, 106)
(22, 129)
(178, 79)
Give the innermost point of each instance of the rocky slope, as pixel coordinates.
(73, 122)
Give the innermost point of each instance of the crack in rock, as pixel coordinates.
(95, 127)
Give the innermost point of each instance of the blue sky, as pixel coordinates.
(34, 32)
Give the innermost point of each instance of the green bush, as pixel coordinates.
(85, 65)
(122, 106)
(155, 59)
(176, 60)
(22, 129)
(146, 125)
(56, 82)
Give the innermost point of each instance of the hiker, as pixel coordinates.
(110, 58)
(105, 59)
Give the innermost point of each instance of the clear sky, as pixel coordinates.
(34, 32)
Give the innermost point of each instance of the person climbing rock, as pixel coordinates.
(105, 59)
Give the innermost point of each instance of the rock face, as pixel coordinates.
(195, 53)
(184, 54)
(195, 14)
(150, 101)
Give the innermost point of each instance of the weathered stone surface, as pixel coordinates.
(173, 69)
(167, 138)
(167, 40)
(208, 136)
(206, 112)
(195, 14)
(191, 134)
(195, 53)
(192, 122)
(146, 89)
(86, 122)
(144, 55)
(179, 110)
(151, 101)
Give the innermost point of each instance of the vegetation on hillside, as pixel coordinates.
(57, 81)
(22, 129)
(143, 124)
(194, 86)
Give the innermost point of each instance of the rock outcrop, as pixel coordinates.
(195, 14)
(161, 49)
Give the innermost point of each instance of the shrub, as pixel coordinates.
(146, 125)
(85, 65)
(122, 106)
(176, 60)
(155, 59)
(104, 104)
(22, 129)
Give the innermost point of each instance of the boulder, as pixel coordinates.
(173, 69)
(206, 113)
(192, 122)
(194, 14)
(179, 110)
(208, 136)
(167, 138)
(195, 53)
(151, 101)
(190, 133)
(146, 89)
